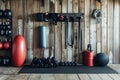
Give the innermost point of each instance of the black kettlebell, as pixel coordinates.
(8, 13)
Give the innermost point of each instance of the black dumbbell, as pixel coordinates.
(8, 27)
(8, 32)
(33, 63)
(74, 64)
(1, 13)
(43, 60)
(7, 23)
(2, 32)
(8, 13)
(48, 60)
(50, 65)
(1, 61)
(4, 27)
(46, 65)
(6, 61)
(9, 39)
(60, 63)
(0, 23)
(69, 64)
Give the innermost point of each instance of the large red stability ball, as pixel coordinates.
(19, 50)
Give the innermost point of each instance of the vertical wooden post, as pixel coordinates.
(75, 46)
(64, 51)
(110, 31)
(116, 31)
(70, 55)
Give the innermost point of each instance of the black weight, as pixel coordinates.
(46, 65)
(0, 23)
(4, 27)
(32, 65)
(43, 60)
(9, 39)
(1, 61)
(8, 27)
(8, 14)
(6, 61)
(1, 13)
(74, 64)
(7, 23)
(34, 62)
(60, 63)
(51, 65)
(48, 60)
(97, 14)
(2, 32)
(8, 32)
(101, 59)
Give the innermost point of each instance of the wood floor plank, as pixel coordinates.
(19, 77)
(35, 77)
(72, 77)
(105, 77)
(47, 77)
(94, 77)
(60, 77)
(114, 76)
(84, 77)
(3, 77)
(115, 67)
(9, 70)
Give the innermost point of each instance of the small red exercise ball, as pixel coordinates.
(19, 50)
(1, 45)
(6, 45)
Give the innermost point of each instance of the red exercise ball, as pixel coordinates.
(19, 50)
(1, 45)
(6, 45)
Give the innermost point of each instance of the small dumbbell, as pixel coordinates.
(2, 32)
(8, 32)
(6, 45)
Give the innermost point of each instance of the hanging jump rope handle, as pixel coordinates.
(89, 47)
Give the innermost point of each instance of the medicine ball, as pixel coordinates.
(101, 59)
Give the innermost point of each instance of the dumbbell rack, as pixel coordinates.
(5, 37)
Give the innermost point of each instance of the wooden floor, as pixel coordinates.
(11, 73)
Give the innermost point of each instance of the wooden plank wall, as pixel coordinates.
(103, 36)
